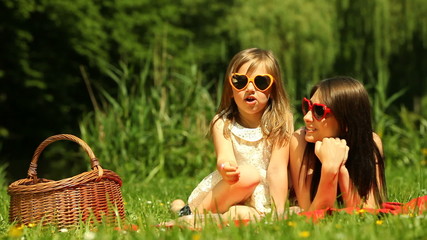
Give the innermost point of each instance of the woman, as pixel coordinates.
(337, 157)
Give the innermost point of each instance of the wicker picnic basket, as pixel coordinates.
(90, 196)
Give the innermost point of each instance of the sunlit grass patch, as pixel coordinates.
(147, 205)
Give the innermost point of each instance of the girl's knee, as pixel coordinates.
(176, 205)
(249, 177)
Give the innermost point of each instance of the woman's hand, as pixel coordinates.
(229, 172)
(332, 152)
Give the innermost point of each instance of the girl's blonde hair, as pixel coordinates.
(277, 118)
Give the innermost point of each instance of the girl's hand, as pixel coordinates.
(229, 172)
(332, 152)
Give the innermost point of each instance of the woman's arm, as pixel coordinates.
(297, 145)
(350, 195)
(277, 174)
(226, 162)
(332, 153)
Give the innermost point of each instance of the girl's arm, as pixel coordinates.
(277, 174)
(226, 162)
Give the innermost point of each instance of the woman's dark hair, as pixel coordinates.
(350, 105)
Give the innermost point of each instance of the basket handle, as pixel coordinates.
(32, 171)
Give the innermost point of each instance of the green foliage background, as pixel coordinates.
(139, 80)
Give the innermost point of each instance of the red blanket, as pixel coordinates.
(415, 206)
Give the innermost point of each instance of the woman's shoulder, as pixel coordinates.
(376, 137)
(298, 139)
(299, 134)
(378, 142)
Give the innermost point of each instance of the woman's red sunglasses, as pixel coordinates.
(318, 110)
(261, 82)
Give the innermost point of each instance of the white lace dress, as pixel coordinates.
(250, 148)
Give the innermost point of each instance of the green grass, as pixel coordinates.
(152, 132)
(147, 204)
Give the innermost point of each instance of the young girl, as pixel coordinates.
(336, 156)
(251, 133)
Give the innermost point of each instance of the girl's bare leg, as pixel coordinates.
(223, 195)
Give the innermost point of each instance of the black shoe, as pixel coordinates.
(184, 211)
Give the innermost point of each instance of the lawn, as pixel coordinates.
(147, 204)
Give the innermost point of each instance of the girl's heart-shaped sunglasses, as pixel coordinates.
(261, 82)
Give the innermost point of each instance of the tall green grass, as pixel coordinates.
(4, 208)
(155, 125)
(402, 131)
